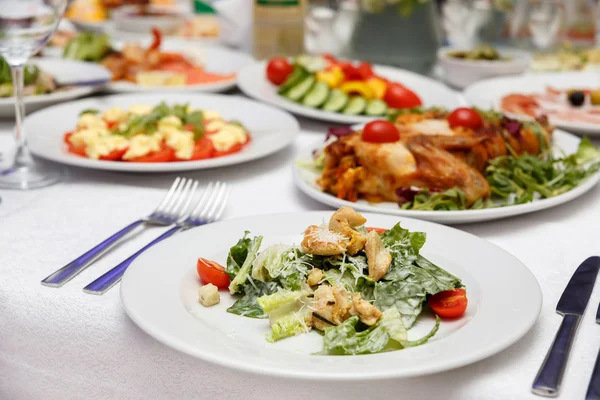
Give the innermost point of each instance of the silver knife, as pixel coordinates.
(593, 391)
(572, 304)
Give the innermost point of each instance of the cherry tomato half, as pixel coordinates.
(203, 149)
(449, 303)
(278, 69)
(398, 96)
(465, 117)
(165, 154)
(378, 230)
(211, 272)
(380, 132)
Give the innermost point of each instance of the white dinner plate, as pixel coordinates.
(215, 59)
(160, 294)
(270, 129)
(488, 93)
(306, 180)
(63, 70)
(253, 82)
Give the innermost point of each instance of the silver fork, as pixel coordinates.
(172, 207)
(210, 207)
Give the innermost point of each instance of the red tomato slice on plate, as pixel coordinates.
(211, 272)
(165, 154)
(115, 155)
(449, 303)
(203, 149)
(378, 230)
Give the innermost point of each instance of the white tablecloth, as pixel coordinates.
(64, 344)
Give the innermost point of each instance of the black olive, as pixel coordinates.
(576, 98)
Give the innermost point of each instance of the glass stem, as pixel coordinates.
(22, 157)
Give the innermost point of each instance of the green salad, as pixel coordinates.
(36, 82)
(362, 289)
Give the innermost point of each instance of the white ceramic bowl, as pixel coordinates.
(461, 73)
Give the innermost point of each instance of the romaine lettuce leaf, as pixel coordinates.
(345, 340)
(289, 313)
(244, 271)
(247, 305)
(237, 255)
(391, 322)
(404, 247)
(586, 152)
(286, 264)
(406, 295)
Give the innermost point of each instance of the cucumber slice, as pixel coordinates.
(356, 105)
(317, 95)
(376, 108)
(296, 93)
(336, 102)
(297, 75)
(311, 63)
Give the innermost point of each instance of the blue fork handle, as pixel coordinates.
(593, 391)
(109, 279)
(69, 271)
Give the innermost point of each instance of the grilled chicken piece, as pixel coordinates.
(320, 241)
(378, 257)
(367, 312)
(343, 221)
(440, 169)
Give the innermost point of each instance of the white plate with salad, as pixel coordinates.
(339, 91)
(303, 307)
(486, 172)
(159, 132)
(41, 83)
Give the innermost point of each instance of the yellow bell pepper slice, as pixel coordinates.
(378, 86)
(357, 87)
(332, 77)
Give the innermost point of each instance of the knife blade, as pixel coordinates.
(593, 391)
(571, 305)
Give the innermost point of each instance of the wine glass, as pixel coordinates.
(25, 27)
(540, 20)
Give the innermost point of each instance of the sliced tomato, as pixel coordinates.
(378, 230)
(330, 58)
(115, 155)
(111, 124)
(67, 136)
(165, 154)
(449, 303)
(365, 70)
(233, 149)
(203, 149)
(71, 148)
(211, 272)
(351, 73)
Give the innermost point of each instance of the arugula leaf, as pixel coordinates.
(244, 271)
(93, 111)
(237, 255)
(449, 200)
(247, 305)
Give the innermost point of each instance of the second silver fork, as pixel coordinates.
(167, 213)
(209, 208)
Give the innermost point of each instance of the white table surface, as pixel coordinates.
(64, 344)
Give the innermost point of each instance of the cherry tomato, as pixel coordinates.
(398, 96)
(203, 149)
(365, 70)
(449, 303)
(465, 117)
(211, 272)
(115, 155)
(378, 230)
(380, 132)
(165, 154)
(278, 70)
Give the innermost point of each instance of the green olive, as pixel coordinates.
(595, 97)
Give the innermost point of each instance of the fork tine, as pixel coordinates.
(203, 198)
(214, 201)
(220, 210)
(167, 211)
(176, 210)
(184, 210)
(167, 197)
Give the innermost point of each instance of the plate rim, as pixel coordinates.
(235, 159)
(493, 349)
(449, 217)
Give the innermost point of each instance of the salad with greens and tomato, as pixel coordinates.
(361, 288)
(333, 85)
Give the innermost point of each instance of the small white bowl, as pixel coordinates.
(125, 20)
(461, 73)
